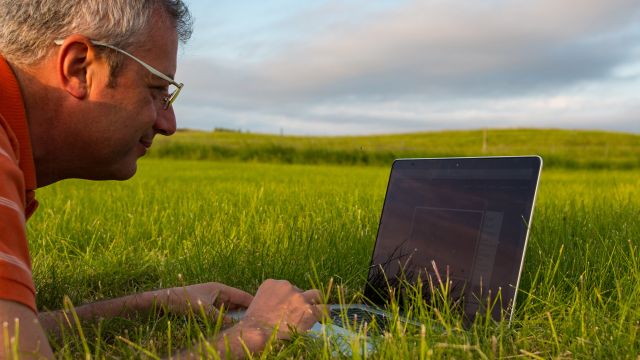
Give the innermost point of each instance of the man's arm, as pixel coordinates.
(31, 342)
(277, 304)
(179, 300)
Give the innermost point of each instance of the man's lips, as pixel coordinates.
(145, 143)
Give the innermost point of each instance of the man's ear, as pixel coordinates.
(76, 57)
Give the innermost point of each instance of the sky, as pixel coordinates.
(351, 67)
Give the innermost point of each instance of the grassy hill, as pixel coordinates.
(568, 149)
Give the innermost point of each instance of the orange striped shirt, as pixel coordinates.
(17, 196)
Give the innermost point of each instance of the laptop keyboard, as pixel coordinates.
(357, 317)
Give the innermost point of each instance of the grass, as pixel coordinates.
(181, 222)
(563, 149)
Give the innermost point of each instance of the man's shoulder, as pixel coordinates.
(8, 141)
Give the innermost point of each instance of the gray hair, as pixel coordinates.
(29, 27)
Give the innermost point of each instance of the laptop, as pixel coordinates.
(461, 221)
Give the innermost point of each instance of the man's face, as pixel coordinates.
(126, 117)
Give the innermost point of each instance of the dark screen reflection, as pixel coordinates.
(464, 220)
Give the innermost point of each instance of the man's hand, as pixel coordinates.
(210, 296)
(280, 304)
(277, 304)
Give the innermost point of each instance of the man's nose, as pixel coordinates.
(166, 122)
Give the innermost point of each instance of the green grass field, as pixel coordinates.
(184, 221)
(560, 148)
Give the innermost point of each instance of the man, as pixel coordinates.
(85, 87)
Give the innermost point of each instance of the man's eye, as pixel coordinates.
(160, 90)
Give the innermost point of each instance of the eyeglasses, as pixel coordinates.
(172, 93)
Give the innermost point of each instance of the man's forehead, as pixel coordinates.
(160, 43)
(161, 54)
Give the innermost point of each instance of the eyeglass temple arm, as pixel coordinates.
(146, 66)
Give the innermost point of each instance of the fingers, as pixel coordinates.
(230, 297)
(313, 296)
(280, 298)
(238, 298)
(314, 300)
(321, 310)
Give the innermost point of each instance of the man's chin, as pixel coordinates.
(118, 173)
(127, 173)
(126, 176)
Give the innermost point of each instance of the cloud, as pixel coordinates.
(440, 53)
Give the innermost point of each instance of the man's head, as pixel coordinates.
(93, 104)
(28, 27)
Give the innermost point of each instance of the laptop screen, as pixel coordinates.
(457, 220)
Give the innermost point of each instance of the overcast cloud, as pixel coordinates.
(346, 67)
